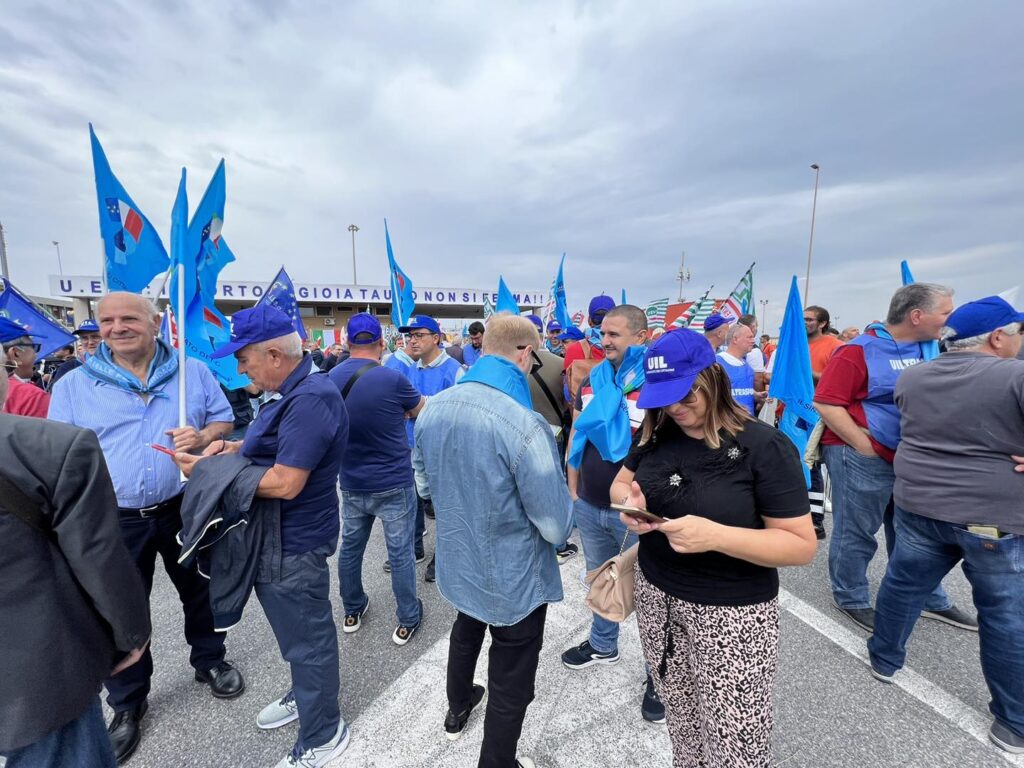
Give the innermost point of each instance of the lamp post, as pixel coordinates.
(353, 229)
(683, 277)
(763, 303)
(810, 244)
(60, 268)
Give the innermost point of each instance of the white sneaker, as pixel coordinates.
(525, 762)
(319, 756)
(278, 713)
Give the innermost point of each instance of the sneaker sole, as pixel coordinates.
(947, 620)
(399, 642)
(591, 663)
(342, 746)
(655, 722)
(277, 724)
(887, 679)
(1012, 749)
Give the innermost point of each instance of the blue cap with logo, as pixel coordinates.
(10, 330)
(363, 328)
(88, 326)
(535, 319)
(251, 326)
(976, 318)
(572, 333)
(671, 365)
(599, 306)
(554, 326)
(715, 321)
(421, 323)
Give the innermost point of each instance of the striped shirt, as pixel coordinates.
(126, 425)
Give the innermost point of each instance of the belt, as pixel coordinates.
(172, 504)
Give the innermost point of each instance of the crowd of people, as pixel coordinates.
(661, 441)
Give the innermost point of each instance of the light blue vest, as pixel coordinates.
(886, 359)
(742, 378)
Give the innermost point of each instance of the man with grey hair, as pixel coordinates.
(127, 393)
(498, 569)
(862, 432)
(301, 436)
(739, 343)
(957, 499)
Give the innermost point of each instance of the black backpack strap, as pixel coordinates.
(551, 399)
(17, 502)
(355, 377)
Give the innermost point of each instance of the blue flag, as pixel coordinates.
(48, 333)
(561, 305)
(281, 294)
(792, 382)
(133, 251)
(929, 349)
(506, 301)
(198, 246)
(402, 302)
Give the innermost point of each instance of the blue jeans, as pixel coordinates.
(861, 493)
(396, 510)
(298, 608)
(83, 741)
(602, 533)
(926, 550)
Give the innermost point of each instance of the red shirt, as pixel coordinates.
(575, 352)
(845, 382)
(26, 400)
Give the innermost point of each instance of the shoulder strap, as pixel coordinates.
(21, 506)
(588, 351)
(551, 398)
(355, 377)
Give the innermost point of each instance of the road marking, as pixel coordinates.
(962, 715)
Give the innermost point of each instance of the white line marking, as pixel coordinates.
(963, 716)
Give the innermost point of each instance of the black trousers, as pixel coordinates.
(515, 651)
(146, 537)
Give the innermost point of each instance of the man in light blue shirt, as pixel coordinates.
(127, 393)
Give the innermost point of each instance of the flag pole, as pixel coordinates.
(180, 320)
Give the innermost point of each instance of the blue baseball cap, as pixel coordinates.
(87, 326)
(251, 326)
(572, 333)
(363, 328)
(535, 319)
(976, 318)
(554, 325)
(715, 321)
(671, 365)
(10, 330)
(599, 305)
(421, 322)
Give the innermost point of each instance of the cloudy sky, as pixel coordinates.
(495, 136)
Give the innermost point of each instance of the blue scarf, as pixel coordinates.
(502, 375)
(101, 366)
(605, 420)
(929, 349)
(593, 335)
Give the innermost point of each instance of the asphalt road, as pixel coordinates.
(829, 710)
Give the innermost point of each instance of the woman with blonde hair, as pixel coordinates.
(733, 499)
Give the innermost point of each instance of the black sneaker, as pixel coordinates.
(954, 617)
(404, 632)
(584, 655)
(564, 555)
(653, 710)
(431, 575)
(818, 521)
(353, 622)
(419, 559)
(454, 724)
(1006, 739)
(862, 617)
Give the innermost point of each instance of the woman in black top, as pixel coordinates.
(734, 499)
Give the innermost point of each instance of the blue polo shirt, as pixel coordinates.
(306, 428)
(471, 354)
(377, 454)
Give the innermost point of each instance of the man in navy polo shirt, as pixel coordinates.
(376, 476)
(434, 371)
(301, 436)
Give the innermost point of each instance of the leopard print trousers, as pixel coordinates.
(715, 677)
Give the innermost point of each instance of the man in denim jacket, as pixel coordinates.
(496, 535)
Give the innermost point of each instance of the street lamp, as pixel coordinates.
(810, 245)
(56, 244)
(763, 303)
(353, 229)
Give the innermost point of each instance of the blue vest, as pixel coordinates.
(431, 380)
(886, 359)
(742, 378)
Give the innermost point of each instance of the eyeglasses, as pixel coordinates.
(691, 398)
(422, 335)
(35, 346)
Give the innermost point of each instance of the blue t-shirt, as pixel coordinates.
(377, 454)
(306, 429)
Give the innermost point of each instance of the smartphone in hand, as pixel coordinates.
(639, 514)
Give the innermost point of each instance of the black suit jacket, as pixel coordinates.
(71, 599)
